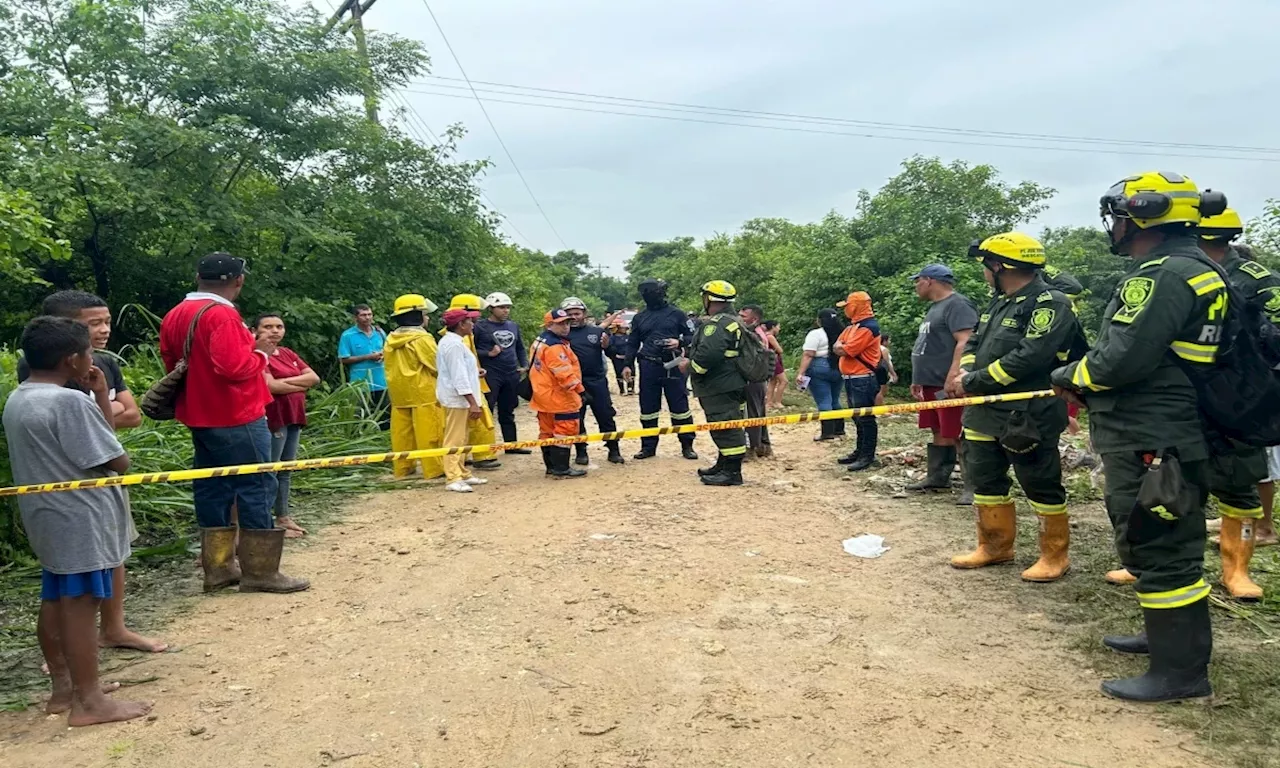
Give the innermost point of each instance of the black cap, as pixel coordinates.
(220, 266)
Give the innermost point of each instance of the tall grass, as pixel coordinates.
(163, 513)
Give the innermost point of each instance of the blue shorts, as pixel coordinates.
(54, 586)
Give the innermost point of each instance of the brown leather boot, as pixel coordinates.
(260, 552)
(218, 557)
(1120, 577)
(1055, 538)
(997, 527)
(1237, 550)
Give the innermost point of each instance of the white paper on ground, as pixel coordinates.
(867, 545)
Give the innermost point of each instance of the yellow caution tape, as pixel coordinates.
(187, 475)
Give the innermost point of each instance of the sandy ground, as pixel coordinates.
(631, 618)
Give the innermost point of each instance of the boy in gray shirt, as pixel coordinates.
(80, 537)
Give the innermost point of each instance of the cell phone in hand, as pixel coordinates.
(941, 395)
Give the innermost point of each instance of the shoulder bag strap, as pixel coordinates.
(191, 330)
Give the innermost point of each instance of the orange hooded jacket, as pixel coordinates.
(859, 344)
(555, 375)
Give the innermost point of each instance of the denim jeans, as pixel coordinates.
(862, 391)
(253, 494)
(824, 384)
(284, 447)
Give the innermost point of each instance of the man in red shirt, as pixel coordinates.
(223, 402)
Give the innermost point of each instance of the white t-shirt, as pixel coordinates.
(456, 372)
(816, 342)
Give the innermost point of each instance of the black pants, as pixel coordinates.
(756, 393)
(1167, 555)
(986, 467)
(862, 391)
(601, 407)
(655, 382)
(726, 406)
(503, 400)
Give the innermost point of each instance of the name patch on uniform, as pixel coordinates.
(1255, 270)
(1009, 322)
(985, 317)
(1041, 322)
(708, 329)
(1134, 295)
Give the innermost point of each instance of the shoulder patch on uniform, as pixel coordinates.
(1046, 296)
(731, 327)
(1134, 295)
(1255, 270)
(1041, 322)
(708, 330)
(1272, 304)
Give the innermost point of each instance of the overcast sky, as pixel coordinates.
(1168, 71)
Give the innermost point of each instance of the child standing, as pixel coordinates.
(80, 537)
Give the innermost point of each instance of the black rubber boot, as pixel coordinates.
(645, 453)
(854, 456)
(580, 455)
(560, 463)
(1136, 644)
(942, 461)
(518, 451)
(730, 472)
(1180, 643)
(868, 436)
(714, 469)
(486, 465)
(826, 431)
(547, 460)
(615, 453)
(686, 450)
(837, 427)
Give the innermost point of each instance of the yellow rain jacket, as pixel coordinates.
(417, 420)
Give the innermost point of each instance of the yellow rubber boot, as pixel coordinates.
(1120, 577)
(997, 527)
(1055, 540)
(218, 557)
(1237, 550)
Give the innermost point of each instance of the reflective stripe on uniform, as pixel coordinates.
(1206, 282)
(1048, 509)
(1196, 353)
(731, 327)
(1063, 356)
(998, 373)
(731, 353)
(1082, 379)
(1175, 598)
(697, 368)
(736, 451)
(968, 359)
(650, 416)
(1227, 510)
(685, 415)
(977, 437)
(992, 501)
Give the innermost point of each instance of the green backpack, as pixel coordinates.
(754, 360)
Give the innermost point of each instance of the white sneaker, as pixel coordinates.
(474, 480)
(458, 487)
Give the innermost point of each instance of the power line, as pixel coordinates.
(489, 120)
(410, 110)
(530, 91)
(796, 129)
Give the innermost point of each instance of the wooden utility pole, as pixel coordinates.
(358, 9)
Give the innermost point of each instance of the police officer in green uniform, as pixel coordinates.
(717, 382)
(1169, 308)
(1014, 349)
(1237, 469)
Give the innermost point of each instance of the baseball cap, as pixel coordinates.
(455, 316)
(555, 316)
(852, 297)
(936, 272)
(221, 266)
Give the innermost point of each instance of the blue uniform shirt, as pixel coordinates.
(355, 343)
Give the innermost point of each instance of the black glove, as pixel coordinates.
(587, 399)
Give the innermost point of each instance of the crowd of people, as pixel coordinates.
(243, 399)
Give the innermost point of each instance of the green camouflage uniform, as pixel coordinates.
(1015, 347)
(717, 382)
(1171, 303)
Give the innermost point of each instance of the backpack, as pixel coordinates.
(754, 360)
(1239, 395)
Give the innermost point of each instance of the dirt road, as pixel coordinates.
(631, 618)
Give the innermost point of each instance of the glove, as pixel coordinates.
(587, 399)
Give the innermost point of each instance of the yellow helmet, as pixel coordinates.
(1159, 198)
(467, 301)
(720, 289)
(411, 302)
(1225, 226)
(1011, 248)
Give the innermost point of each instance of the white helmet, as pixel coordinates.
(497, 299)
(573, 302)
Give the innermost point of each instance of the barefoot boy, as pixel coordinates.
(55, 433)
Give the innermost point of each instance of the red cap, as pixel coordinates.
(454, 316)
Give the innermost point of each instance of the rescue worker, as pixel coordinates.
(1069, 285)
(1014, 349)
(479, 431)
(1236, 469)
(658, 334)
(558, 393)
(719, 386)
(1145, 424)
(619, 341)
(858, 350)
(417, 422)
(500, 351)
(590, 343)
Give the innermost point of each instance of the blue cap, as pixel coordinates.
(936, 272)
